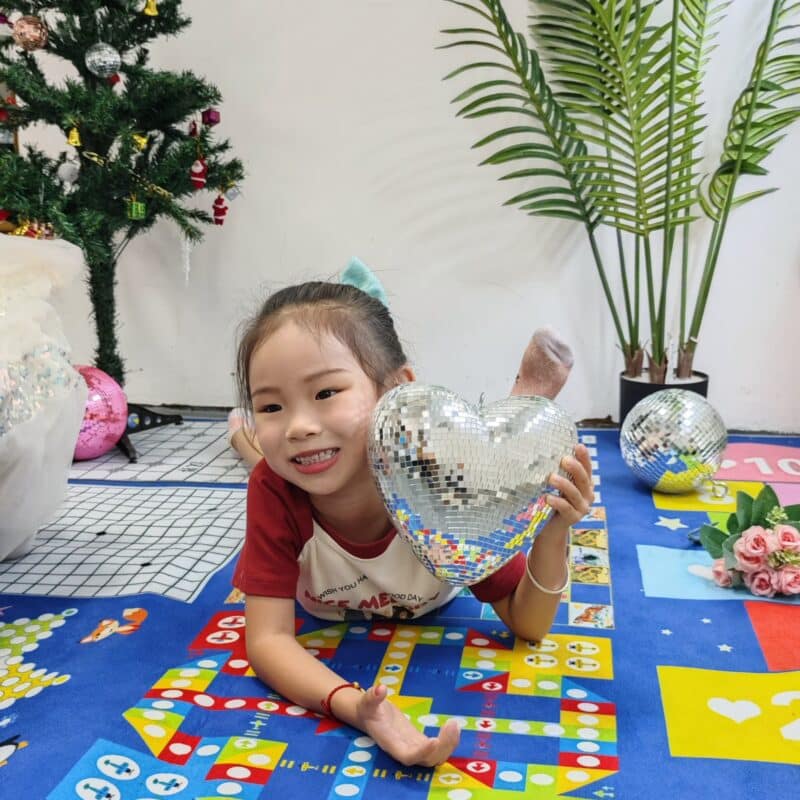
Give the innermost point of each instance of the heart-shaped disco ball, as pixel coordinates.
(466, 487)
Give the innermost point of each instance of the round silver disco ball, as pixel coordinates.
(673, 440)
(103, 60)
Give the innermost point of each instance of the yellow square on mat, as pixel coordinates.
(738, 715)
(571, 655)
(703, 500)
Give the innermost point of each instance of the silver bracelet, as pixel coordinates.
(539, 586)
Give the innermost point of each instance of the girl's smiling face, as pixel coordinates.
(312, 403)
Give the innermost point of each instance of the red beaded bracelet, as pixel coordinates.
(326, 703)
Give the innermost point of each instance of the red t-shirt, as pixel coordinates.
(287, 553)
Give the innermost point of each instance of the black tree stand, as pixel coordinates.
(143, 419)
(631, 391)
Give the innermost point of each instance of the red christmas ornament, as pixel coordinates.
(3, 115)
(211, 117)
(113, 80)
(220, 210)
(199, 173)
(6, 225)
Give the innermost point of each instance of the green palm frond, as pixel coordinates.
(696, 32)
(696, 25)
(612, 65)
(757, 120)
(610, 99)
(579, 37)
(549, 147)
(698, 22)
(759, 114)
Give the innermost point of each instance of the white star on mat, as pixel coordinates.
(705, 621)
(673, 523)
(725, 648)
(666, 631)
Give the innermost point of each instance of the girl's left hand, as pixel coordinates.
(577, 494)
(393, 732)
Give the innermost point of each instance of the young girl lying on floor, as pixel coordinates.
(312, 365)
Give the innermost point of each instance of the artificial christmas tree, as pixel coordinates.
(132, 134)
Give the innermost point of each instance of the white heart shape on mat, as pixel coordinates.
(737, 710)
(791, 731)
(466, 486)
(701, 571)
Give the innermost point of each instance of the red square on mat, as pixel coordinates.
(777, 628)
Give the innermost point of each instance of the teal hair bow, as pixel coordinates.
(358, 274)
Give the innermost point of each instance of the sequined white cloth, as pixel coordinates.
(42, 398)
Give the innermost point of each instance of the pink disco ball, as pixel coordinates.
(106, 416)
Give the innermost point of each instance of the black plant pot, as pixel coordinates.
(632, 390)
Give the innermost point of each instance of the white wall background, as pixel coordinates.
(351, 146)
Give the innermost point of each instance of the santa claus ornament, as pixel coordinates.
(199, 173)
(220, 210)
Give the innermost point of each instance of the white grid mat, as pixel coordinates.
(111, 541)
(195, 452)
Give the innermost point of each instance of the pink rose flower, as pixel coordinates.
(753, 547)
(788, 538)
(762, 582)
(788, 580)
(721, 575)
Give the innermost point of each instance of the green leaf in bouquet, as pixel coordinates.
(763, 505)
(731, 561)
(744, 510)
(793, 512)
(736, 578)
(712, 539)
(767, 494)
(733, 524)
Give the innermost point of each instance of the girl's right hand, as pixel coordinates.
(393, 732)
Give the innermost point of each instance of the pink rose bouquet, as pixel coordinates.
(761, 548)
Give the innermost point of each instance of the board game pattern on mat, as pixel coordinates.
(643, 697)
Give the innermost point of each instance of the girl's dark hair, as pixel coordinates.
(359, 321)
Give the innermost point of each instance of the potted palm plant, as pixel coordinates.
(609, 131)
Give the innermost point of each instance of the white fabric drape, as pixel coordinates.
(42, 397)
